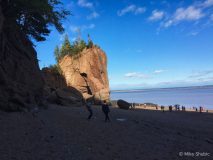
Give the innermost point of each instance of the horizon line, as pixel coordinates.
(163, 88)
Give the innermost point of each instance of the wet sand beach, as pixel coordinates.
(64, 133)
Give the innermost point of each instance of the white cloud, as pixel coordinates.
(195, 76)
(140, 10)
(182, 29)
(156, 15)
(61, 37)
(211, 17)
(64, 26)
(208, 23)
(167, 24)
(71, 4)
(73, 39)
(83, 3)
(144, 76)
(190, 13)
(193, 71)
(206, 72)
(93, 15)
(139, 51)
(130, 74)
(134, 74)
(210, 78)
(163, 2)
(158, 71)
(91, 26)
(74, 28)
(201, 73)
(208, 3)
(181, 3)
(158, 29)
(113, 77)
(130, 8)
(182, 14)
(83, 27)
(163, 84)
(194, 33)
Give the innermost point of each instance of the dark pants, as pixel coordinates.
(107, 117)
(91, 113)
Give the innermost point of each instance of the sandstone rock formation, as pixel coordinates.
(21, 82)
(57, 92)
(88, 74)
(123, 104)
(53, 78)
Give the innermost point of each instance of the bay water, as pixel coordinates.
(187, 97)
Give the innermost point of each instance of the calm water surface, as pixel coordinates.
(188, 97)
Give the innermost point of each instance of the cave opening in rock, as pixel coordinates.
(84, 75)
(88, 90)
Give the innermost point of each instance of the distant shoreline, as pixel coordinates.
(207, 86)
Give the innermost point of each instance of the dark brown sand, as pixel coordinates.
(64, 133)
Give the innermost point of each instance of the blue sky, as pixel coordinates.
(149, 44)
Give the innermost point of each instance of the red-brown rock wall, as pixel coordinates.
(56, 90)
(88, 73)
(21, 83)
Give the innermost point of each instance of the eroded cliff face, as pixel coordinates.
(56, 90)
(51, 77)
(88, 74)
(21, 82)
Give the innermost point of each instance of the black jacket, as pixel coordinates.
(105, 107)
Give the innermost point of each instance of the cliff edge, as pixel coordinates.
(21, 82)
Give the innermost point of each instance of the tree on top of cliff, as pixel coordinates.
(79, 38)
(90, 43)
(35, 16)
(67, 49)
(56, 54)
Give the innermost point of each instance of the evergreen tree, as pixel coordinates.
(57, 54)
(67, 46)
(79, 38)
(83, 45)
(90, 43)
(88, 38)
(34, 16)
(67, 49)
(62, 52)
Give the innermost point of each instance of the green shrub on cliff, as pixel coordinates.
(90, 43)
(76, 48)
(56, 54)
(72, 50)
(56, 68)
